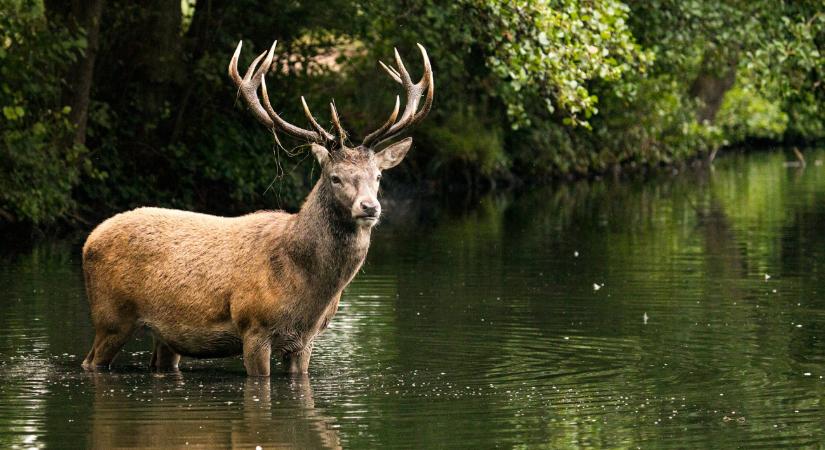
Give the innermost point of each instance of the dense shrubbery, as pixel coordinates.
(39, 166)
(524, 89)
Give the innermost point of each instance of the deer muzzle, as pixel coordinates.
(366, 210)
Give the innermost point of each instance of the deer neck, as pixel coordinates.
(326, 242)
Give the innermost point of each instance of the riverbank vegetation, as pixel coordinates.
(109, 104)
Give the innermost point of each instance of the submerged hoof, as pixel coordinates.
(90, 367)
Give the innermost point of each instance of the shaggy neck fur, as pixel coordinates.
(325, 241)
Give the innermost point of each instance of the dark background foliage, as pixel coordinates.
(110, 104)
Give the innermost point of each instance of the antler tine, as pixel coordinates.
(405, 76)
(342, 135)
(392, 72)
(252, 73)
(414, 92)
(248, 88)
(427, 78)
(233, 64)
(411, 115)
(314, 123)
(377, 133)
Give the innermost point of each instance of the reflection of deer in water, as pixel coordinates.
(121, 416)
(261, 284)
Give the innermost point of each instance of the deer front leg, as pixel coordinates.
(257, 348)
(297, 362)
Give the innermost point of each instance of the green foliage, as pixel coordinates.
(805, 116)
(774, 48)
(747, 114)
(792, 66)
(525, 89)
(465, 141)
(788, 61)
(548, 53)
(657, 126)
(39, 166)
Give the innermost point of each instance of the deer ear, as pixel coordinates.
(392, 155)
(321, 153)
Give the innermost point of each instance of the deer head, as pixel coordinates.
(351, 174)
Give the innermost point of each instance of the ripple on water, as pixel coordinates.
(484, 330)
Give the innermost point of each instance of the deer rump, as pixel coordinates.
(179, 274)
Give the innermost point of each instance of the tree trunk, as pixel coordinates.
(206, 20)
(85, 15)
(710, 87)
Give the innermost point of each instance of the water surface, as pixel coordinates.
(686, 310)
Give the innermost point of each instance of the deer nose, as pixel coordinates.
(370, 208)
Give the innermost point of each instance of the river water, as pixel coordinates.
(685, 310)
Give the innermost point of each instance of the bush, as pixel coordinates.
(465, 142)
(746, 114)
(40, 165)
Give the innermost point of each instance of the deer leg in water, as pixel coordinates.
(163, 357)
(257, 348)
(297, 362)
(106, 345)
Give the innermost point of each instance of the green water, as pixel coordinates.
(478, 324)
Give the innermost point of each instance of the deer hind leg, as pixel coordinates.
(107, 344)
(164, 359)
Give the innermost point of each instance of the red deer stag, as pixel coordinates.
(268, 282)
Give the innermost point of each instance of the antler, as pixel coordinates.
(264, 113)
(409, 117)
(248, 89)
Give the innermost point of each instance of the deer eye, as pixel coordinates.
(378, 178)
(335, 179)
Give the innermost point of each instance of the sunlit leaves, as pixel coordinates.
(552, 50)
